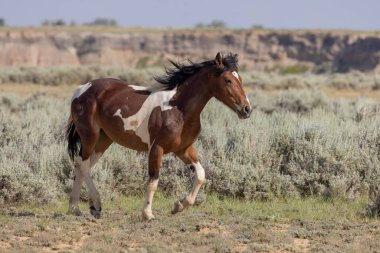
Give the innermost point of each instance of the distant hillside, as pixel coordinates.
(339, 51)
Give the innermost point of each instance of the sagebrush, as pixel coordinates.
(296, 143)
(59, 75)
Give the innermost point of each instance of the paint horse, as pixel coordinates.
(164, 118)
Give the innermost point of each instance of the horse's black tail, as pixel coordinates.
(73, 140)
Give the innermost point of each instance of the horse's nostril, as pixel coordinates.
(247, 110)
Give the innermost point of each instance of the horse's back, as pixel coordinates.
(109, 85)
(108, 104)
(108, 90)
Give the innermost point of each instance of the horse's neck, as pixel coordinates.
(192, 97)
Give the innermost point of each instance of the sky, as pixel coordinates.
(274, 14)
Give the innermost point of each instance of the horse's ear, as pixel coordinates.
(219, 60)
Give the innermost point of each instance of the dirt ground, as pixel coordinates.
(210, 227)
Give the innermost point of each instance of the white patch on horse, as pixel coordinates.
(147, 209)
(135, 87)
(235, 74)
(199, 172)
(198, 181)
(81, 89)
(249, 103)
(139, 121)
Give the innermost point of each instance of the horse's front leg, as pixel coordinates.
(190, 158)
(155, 156)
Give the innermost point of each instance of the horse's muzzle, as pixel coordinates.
(244, 112)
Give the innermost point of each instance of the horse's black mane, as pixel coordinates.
(179, 72)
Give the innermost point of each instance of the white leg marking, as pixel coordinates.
(198, 181)
(78, 178)
(139, 121)
(190, 199)
(95, 158)
(77, 185)
(81, 89)
(82, 172)
(147, 209)
(93, 194)
(87, 177)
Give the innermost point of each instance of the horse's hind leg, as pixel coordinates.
(93, 144)
(82, 170)
(94, 198)
(77, 185)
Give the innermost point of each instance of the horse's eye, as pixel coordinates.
(228, 81)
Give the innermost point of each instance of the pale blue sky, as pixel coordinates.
(288, 14)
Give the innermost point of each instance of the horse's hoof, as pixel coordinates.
(147, 216)
(74, 210)
(178, 207)
(96, 213)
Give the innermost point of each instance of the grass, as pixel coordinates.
(290, 209)
(218, 225)
(294, 69)
(277, 210)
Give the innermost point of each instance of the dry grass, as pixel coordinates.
(26, 90)
(227, 225)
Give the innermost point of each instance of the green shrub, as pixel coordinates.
(373, 210)
(294, 69)
(295, 144)
(72, 75)
(146, 68)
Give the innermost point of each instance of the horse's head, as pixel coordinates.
(229, 87)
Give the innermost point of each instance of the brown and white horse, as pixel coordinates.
(164, 118)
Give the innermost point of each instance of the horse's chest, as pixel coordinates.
(190, 133)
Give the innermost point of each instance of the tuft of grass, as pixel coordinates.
(284, 210)
(310, 208)
(373, 210)
(294, 69)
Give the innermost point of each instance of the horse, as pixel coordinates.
(161, 119)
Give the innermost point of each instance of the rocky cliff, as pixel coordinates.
(337, 51)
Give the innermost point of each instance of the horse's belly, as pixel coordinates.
(114, 129)
(128, 139)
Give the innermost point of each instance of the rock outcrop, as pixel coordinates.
(337, 51)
